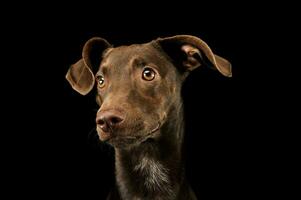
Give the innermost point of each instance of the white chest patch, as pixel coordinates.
(155, 174)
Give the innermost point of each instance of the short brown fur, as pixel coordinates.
(143, 119)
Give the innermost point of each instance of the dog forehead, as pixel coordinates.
(122, 55)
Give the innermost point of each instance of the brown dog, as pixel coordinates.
(141, 111)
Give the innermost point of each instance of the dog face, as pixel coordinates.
(136, 88)
(139, 85)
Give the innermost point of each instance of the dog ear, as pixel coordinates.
(190, 52)
(81, 74)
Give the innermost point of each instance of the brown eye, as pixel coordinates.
(148, 74)
(100, 81)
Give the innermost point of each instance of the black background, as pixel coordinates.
(52, 149)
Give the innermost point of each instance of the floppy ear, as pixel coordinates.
(80, 75)
(190, 52)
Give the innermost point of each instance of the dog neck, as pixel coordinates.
(154, 169)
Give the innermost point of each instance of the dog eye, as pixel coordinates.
(100, 80)
(148, 74)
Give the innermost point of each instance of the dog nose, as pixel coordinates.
(109, 120)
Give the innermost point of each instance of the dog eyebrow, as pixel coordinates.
(137, 61)
(103, 69)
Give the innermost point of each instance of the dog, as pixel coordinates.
(141, 110)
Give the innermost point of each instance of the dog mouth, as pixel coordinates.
(126, 141)
(152, 133)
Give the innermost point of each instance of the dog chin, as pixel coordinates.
(124, 142)
(118, 140)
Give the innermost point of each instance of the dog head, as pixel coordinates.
(138, 86)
